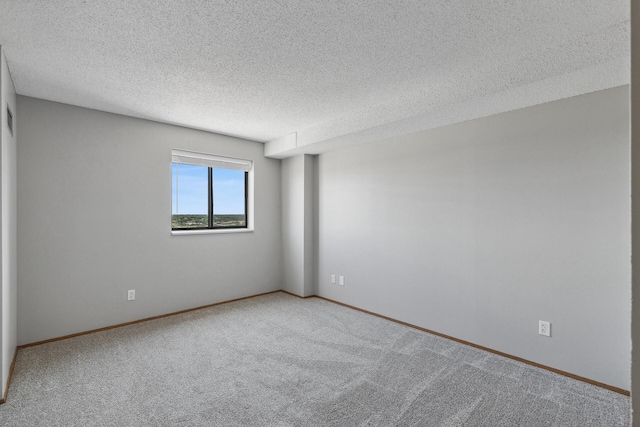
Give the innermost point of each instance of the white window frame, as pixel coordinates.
(217, 161)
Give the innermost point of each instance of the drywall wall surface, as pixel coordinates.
(292, 169)
(479, 230)
(95, 221)
(4, 351)
(635, 211)
(297, 224)
(8, 220)
(309, 225)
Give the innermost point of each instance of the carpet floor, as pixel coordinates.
(277, 360)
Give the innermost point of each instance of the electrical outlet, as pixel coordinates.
(341, 281)
(131, 294)
(333, 278)
(544, 328)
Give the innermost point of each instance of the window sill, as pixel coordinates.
(219, 231)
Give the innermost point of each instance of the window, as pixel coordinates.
(208, 192)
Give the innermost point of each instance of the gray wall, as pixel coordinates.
(297, 224)
(635, 197)
(8, 219)
(95, 212)
(480, 229)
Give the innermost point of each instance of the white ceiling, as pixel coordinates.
(334, 72)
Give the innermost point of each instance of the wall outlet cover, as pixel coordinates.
(544, 328)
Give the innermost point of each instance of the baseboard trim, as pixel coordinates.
(480, 347)
(490, 350)
(298, 296)
(146, 319)
(119, 325)
(13, 364)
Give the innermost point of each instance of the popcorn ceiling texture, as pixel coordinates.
(336, 73)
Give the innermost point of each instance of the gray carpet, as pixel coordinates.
(277, 360)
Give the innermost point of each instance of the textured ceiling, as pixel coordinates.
(333, 72)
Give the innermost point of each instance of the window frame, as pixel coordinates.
(199, 159)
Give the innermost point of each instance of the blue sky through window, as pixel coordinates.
(228, 191)
(189, 190)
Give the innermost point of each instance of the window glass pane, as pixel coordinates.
(228, 198)
(189, 194)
